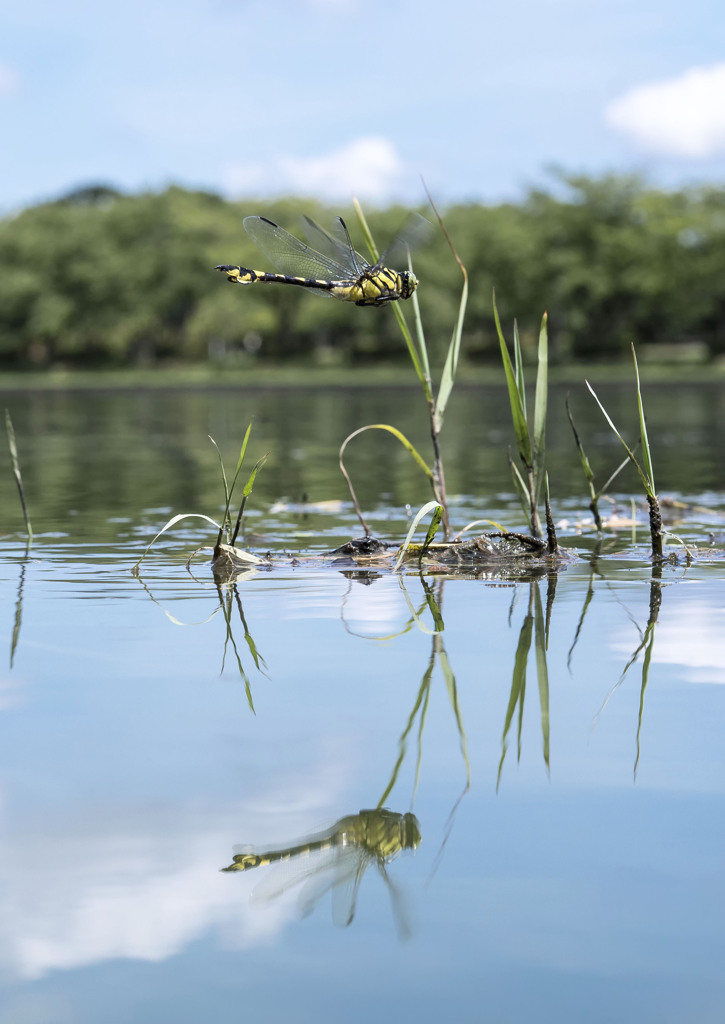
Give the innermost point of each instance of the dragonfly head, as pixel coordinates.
(408, 283)
(409, 827)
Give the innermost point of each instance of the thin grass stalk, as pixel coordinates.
(245, 495)
(421, 364)
(15, 461)
(646, 474)
(406, 444)
(551, 543)
(540, 407)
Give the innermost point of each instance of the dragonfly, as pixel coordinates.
(329, 265)
(336, 860)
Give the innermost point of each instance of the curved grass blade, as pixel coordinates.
(406, 444)
(172, 522)
(428, 507)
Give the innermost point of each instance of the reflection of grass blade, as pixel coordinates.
(645, 679)
(14, 459)
(259, 662)
(518, 688)
(403, 741)
(421, 725)
(18, 621)
(580, 623)
(226, 605)
(542, 671)
(433, 608)
(452, 690)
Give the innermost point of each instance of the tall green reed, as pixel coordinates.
(645, 471)
(436, 401)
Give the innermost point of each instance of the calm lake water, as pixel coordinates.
(571, 816)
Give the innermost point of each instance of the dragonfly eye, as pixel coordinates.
(410, 830)
(408, 282)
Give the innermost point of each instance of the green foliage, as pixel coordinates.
(106, 277)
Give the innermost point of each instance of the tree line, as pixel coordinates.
(103, 277)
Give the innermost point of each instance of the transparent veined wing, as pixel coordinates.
(415, 233)
(336, 244)
(290, 255)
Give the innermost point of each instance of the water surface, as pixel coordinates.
(571, 816)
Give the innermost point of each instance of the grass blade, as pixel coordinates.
(428, 507)
(540, 406)
(642, 475)
(518, 412)
(646, 454)
(16, 472)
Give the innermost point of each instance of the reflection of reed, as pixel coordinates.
(18, 621)
(646, 644)
(535, 627)
(438, 656)
(228, 598)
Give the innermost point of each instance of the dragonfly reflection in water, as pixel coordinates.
(338, 859)
(330, 265)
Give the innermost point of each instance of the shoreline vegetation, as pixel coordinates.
(103, 279)
(305, 374)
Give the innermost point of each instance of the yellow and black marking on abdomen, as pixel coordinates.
(371, 289)
(378, 833)
(245, 861)
(242, 275)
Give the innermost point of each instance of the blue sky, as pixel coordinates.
(332, 98)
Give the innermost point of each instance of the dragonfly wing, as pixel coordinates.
(336, 245)
(290, 255)
(401, 912)
(282, 877)
(344, 895)
(415, 233)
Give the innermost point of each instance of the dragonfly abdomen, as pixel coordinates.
(245, 861)
(242, 275)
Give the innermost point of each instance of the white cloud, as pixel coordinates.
(683, 116)
(9, 80)
(369, 168)
(688, 639)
